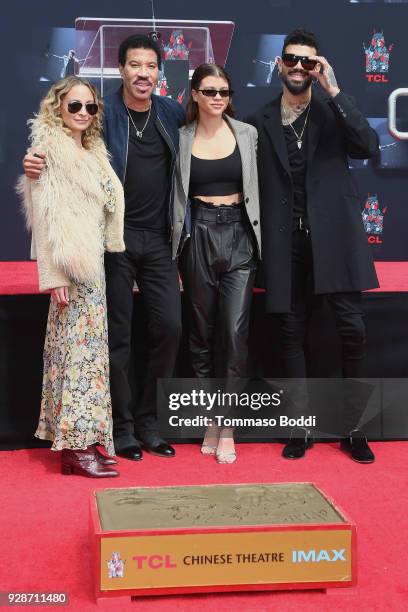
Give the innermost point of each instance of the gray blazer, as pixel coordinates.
(246, 137)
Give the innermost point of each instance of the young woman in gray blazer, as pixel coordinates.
(216, 233)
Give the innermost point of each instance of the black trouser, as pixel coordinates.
(347, 308)
(218, 267)
(147, 260)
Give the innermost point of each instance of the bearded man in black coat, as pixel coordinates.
(313, 235)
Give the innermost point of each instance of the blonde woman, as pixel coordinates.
(75, 211)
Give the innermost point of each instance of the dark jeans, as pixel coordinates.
(147, 260)
(347, 308)
(218, 267)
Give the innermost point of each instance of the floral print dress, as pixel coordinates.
(76, 409)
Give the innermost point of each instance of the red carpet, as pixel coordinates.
(20, 277)
(44, 522)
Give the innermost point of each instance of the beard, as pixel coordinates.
(296, 88)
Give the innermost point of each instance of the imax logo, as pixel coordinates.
(315, 556)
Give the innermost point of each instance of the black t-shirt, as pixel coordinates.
(297, 162)
(147, 180)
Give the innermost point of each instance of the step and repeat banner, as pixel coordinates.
(365, 41)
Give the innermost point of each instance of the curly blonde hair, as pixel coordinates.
(50, 108)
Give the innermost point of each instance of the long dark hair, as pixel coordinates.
(202, 71)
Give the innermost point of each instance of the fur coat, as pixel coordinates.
(75, 209)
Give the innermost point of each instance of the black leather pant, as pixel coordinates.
(218, 267)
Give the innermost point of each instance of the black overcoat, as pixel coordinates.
(341, 255)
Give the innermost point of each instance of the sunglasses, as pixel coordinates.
(290, 60)
(211, 93)
(75, 107)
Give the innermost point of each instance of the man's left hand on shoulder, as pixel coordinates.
(324, 73)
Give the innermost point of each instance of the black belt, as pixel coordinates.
(218, 214)
(301, 224)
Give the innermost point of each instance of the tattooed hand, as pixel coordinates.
(326, 78)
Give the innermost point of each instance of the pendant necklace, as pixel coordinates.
(299, 137)
(139, 133)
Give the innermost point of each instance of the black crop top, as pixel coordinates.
(216, 177)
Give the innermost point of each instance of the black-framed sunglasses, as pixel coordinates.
(290, 60)
(211, 93)
(75, 106)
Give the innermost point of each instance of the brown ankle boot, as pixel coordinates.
(103, 459)
(84, 463)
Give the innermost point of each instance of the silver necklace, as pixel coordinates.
(139, 133)
(299, 137)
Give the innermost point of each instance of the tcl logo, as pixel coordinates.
(153, 562)
(374, 240)
(376, 78)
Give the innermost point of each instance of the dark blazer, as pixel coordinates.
(341, 257)
(170, 116)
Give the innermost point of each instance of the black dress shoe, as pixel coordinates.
(356, 444)
(297, 446)
(160, 448)
(134, 453)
